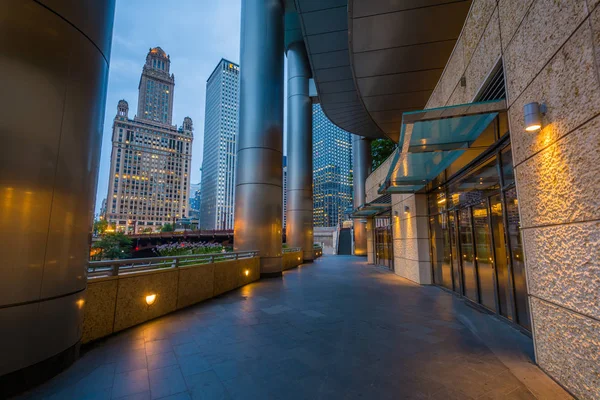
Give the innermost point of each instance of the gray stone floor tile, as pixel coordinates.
(206, 386)
(161, 360)
(166, 381)
(336, 329)
(130, 382)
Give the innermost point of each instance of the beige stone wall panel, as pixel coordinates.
(569, 87)
(253, 267)
(416, 271)
(226, 276)
(196, 283)
(560, 184)
(486, 55)
(568, 348)
(545, 28)
(512, 13)
(452, 73)
(412, 249)
(99, 309)
(475, 24)
(131, 297)
(291, 260)
(563, 264)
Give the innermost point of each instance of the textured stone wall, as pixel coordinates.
(551, 54)
(292, 259)
(375, 180)
(116, 303)
(411, 237)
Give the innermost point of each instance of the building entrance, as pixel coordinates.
(475, 237)
(384, 249)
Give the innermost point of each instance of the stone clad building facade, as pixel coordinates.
(151, 159)
(548, 53)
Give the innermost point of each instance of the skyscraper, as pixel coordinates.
(220, 132)
(284, 191)
(332, 170)
(150, 160)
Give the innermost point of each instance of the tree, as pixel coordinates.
(381, 149)
(167, 228)
(100, 226)
(113, 246)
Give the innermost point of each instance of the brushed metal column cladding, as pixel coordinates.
(361, 169)
(300, 152)
(56, 57)
(259, 170)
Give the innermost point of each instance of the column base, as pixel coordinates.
(267, 275)
(19, 381)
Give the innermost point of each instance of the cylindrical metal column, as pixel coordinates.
(361, 168)
(55, 57)
(259, 170)
(299, 152)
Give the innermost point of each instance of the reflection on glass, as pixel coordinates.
(508, 171)
(485, 261)
(440, 250)
(475, 186)
(467, 254)
(454, 252)
(501, 257)
(518, 263)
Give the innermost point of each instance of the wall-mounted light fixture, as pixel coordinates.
(396, 213)
(533, 116)
(406, 209)
(150, 299)
(246, 272)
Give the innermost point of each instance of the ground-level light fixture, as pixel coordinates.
(150, 299)
(533, 116)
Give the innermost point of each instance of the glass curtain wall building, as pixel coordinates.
(220, 133)
(332, 170)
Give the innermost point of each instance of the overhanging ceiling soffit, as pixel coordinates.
(397, 53)
(324, 25)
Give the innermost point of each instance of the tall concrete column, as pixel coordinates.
(55, 58)
(299, 152)
(361, 169)
(259, 170)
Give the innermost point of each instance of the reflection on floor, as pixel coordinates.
(335, 329)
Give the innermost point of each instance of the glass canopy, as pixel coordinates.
(433, 139)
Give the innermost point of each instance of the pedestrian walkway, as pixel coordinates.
(334, 329)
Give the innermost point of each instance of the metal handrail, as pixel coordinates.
(292, 249)
(126, 266)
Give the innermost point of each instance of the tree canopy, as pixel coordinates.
(381, 149)
(113, 246)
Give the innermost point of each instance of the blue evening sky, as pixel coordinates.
(196, 34)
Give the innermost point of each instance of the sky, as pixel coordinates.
(196, 34)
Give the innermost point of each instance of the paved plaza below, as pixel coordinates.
(334, 329)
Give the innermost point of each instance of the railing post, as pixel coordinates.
(212, 258)
(115, 270)
(177, 263)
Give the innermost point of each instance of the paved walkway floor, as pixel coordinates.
(335, 329)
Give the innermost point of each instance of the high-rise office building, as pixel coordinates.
(332, 170)
(220, 132)
(284, 191)
(150, 161)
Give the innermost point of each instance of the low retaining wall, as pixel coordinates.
(292, 259)
(116, 303)
(317, 252)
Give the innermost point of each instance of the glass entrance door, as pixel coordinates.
(467, 252)
(384, 254)
(484, 255)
